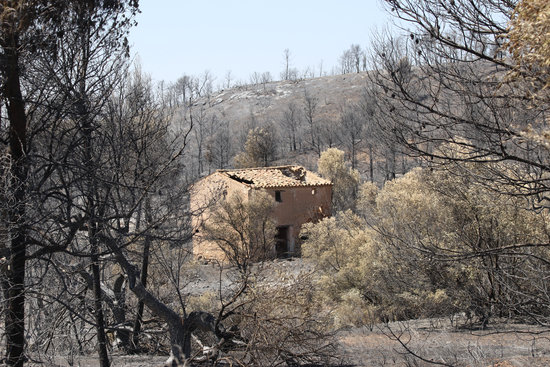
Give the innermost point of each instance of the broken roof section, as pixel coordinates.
(276, 177)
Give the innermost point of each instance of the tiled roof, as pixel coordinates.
(273, 177)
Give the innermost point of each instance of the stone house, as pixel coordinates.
(301, 196)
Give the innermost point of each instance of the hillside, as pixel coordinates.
(303, 119)
(269, 101)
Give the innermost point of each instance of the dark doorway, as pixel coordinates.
(281, 244)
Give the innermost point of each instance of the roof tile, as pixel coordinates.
(274, 177)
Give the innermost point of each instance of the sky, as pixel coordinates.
(177, 37)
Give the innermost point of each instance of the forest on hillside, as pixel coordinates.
(278, 122)
(436, 141)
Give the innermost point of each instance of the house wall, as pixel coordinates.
(204, 195)
(301, 205)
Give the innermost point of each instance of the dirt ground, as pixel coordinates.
(91, 361)
(501, 345)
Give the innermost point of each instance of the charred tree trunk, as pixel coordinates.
(119, 313)
(180, 328)
(89, 166)
(98, 308)
(371, 164)
(115, 300)
(93, 240)
(143, 279)
(15, 277)
(91, 192)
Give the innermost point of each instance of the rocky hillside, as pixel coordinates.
(268, 101)
(303, 117)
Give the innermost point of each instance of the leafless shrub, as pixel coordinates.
(285, 324)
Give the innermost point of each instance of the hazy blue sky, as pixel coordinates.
(176, 37)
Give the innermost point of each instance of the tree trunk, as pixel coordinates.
(180, 329)
(143, 279)
(353, 153)
(91, 210)
(98, 309)
(15, 277)
(119, 313)
(371, 163)
(115, 299)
